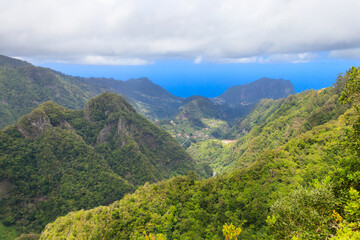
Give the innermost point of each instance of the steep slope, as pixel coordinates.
(150, 99)
(200, 118)
(184, 208)
(255, 91)
(198, 107)
(56, 160)
(271, 124)
(7, 62)
(23, 87)
(197, 119)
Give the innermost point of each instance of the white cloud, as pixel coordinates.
(100, 60)
(353, 54)
(198, 60)
(140, 31)
(275, 58)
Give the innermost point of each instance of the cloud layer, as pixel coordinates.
(119, 32)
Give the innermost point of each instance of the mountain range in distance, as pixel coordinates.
(23, 87)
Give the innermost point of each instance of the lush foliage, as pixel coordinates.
(343, 197)
(257, 90)
(184, 208)
(7, 233)
(23, 87)
(56, 160)
(231, 232)
(302, 183)
(198, 119)
(272, 124)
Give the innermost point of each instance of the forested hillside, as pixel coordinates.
(271, 124)
(200, 118)
(23, 87)
(56, 160)
(303, 183)
(255, 91)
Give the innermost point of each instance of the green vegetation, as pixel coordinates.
(211, 152)
(198, 120)
(231, 232)
(253, 92)
(302, 183)
(7, 233)
(292, 173)
(272, 124)
(23, 87)
(197, 209)
(56, 160)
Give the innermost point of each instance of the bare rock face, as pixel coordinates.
(34, 124)
(104, 134)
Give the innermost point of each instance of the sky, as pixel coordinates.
(190, 46)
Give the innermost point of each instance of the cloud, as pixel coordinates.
(198, 60)
(140, 32)
(101, 60)
(275, 58)
(353, 54)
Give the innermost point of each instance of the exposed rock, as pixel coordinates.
(104, 133)
(34, 124)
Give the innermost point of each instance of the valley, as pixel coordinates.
(80, 161)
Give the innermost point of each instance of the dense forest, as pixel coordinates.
(24, 86)
(271, 124)
(281, 168)
(301, 182)
(56, 160)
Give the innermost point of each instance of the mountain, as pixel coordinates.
(11, 62)
(303, 183)
(198, 107)
(186, 208)
(55, 160)
(200, 118)
(255, 91)
(23, 87)
(150, 99)
(271, 124)
(197, 119)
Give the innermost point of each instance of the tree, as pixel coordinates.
(351, 94)
(231, 232)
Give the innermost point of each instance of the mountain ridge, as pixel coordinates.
(55, 159)
(263, 87)
(22, 82)
(302, 181)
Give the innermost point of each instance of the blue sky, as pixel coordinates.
(189, 46)
(184, 78)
